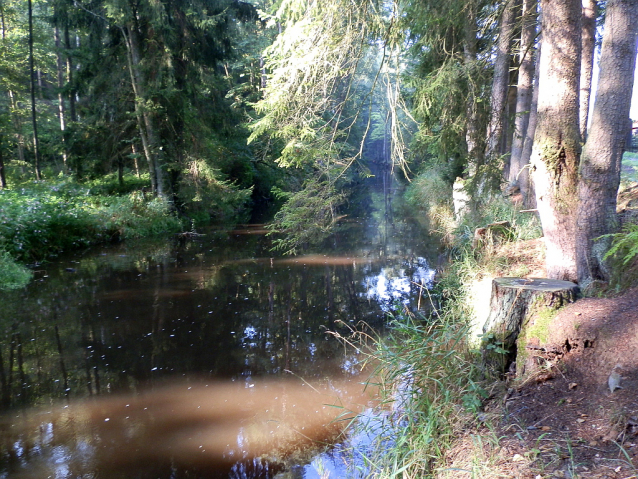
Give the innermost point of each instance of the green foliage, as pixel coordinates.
(431, 195)
(629, 170)
(208, 198)
(12, 274)
(623, 256)
(40, 220)
(307, 216)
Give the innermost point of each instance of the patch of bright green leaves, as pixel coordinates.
(623, 256)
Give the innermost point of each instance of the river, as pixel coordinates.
(202, 357)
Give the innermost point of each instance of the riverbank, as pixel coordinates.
(563, 421)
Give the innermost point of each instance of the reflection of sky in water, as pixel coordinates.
(399, 283)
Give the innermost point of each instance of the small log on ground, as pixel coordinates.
(514, 302)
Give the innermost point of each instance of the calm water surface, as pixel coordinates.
(208, 357)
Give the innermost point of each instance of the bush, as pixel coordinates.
(623, 257)
(44, 219)
(12, 274)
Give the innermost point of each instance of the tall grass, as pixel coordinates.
(428, 372)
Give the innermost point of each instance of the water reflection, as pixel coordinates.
(212, 428)
(111, 326)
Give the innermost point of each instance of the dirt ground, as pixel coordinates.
(565, 422)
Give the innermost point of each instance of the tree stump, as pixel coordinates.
(514, 303)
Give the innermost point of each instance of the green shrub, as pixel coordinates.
(12, 274)
(209, 199)
(44, 219)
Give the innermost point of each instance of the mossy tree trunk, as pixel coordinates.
(556, 151)
(602, 154)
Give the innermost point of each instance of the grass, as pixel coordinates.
(629, 169)
(426, 369)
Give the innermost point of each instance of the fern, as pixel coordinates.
(624, 244)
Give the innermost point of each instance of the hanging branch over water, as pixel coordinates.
(325, 68)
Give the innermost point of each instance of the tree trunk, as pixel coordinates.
(500, 82)
(3, 178)
(587, 63)
(556, 150)
(472, 135)
(600, 166)
(525, 182)
(512, 302)
(36, 154)
(523, 90)
(61, 105)
(69, 73)
(144, 123)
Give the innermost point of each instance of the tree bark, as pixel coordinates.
(36, 153)
(600, 165)
(144, 122)
(512, 302)
(556, 150)
(69, 74)
(524, 90)
(500, 82)
(474, 150)
(61, 104)
(587, 62)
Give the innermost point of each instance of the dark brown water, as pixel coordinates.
(203, 358)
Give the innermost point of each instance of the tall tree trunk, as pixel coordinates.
(587, 62)
(525, 178)
(144, 122)
(61, 104)
(472, 135)
(500, 82)
(12, 102)
(600, 165)
(17, 125)
(69, 73)
(36, 153)
(556, 150)
(524, 89)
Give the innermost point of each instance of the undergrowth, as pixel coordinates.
(623, 257)
(428, 371)
(38, 220)
(12, 274)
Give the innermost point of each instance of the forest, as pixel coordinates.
(124, 118)
(127, 119)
